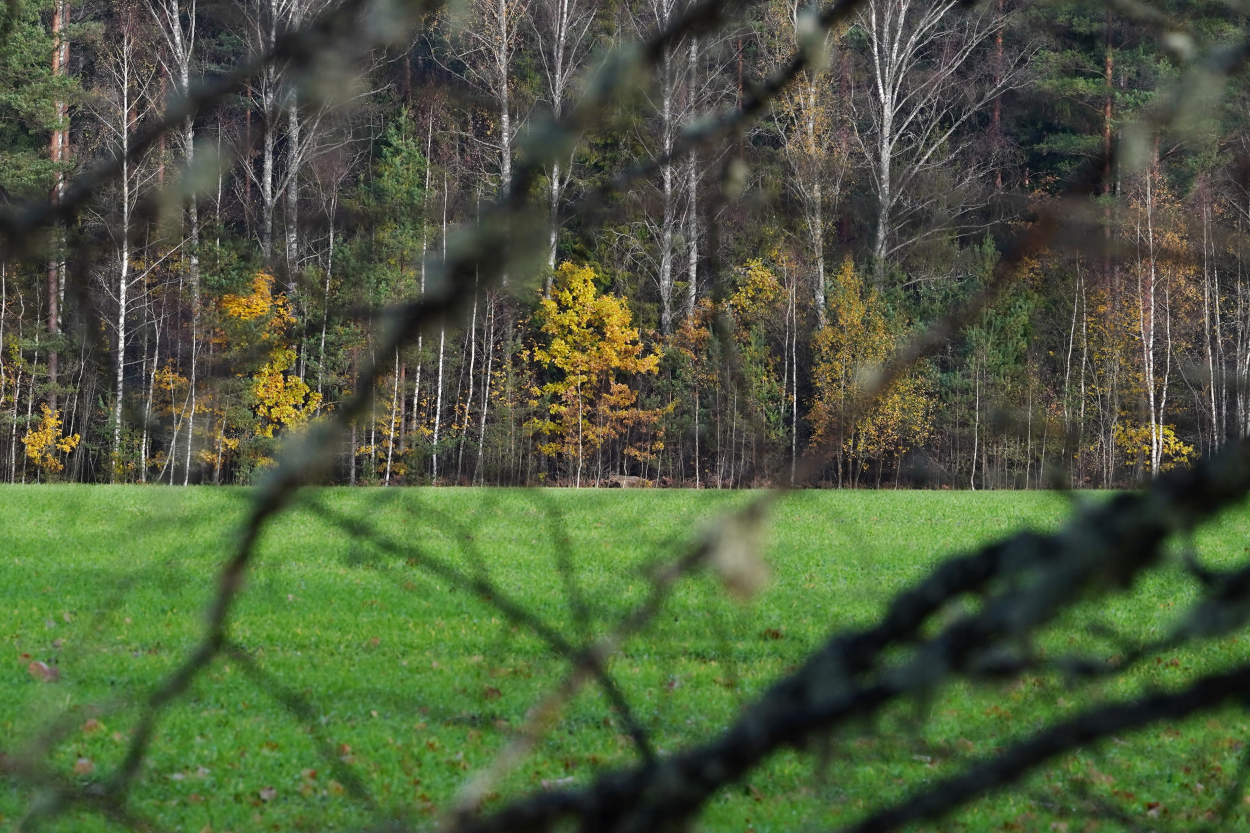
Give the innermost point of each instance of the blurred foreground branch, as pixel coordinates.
(1024, 583)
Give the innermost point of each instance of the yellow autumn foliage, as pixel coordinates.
(260, 304)
(849, 350)
(1134, 442)
(44, 441)
(757, 294)
(281, 399)
(590, 338)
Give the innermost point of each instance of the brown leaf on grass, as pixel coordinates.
(267, 794)
(91, 726)
(43, 672)
(492, 693)
(84, 766)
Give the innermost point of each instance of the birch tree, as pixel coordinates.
(562, 30)
(806, 120)
(922, 89)
(177, 26)
(687, 81)
(656, 16)
(1160, 289)
(120, 106)
(275, 97)
(487, 46)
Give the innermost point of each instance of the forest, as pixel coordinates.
(704, 326)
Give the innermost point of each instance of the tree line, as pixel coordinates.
(225, 291)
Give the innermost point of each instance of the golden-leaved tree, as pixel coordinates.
(849, 349)
(762, 306)
(590, 343)
(45, 440)
(251, 326)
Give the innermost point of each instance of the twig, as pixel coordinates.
(298, 705)
(996, 772)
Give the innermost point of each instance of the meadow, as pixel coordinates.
(366, 672)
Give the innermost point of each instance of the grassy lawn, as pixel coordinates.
(414, 684)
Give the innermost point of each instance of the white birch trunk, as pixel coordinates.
(489, 346)
(293, 126)
(390, 441)
(438, 402)
(669, 208)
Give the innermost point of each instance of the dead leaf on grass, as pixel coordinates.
(43, 672)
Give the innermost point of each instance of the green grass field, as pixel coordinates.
(414, 684)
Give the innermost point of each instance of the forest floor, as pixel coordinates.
(415, 684)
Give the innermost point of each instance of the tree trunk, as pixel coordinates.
(390, 442)
(438, 403)
(489, 346)
(59, 153)
(123, 283)
(292, 204)
(692, 233)
(669, 209)
(267, 196)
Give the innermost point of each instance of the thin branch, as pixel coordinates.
(1085, 730)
